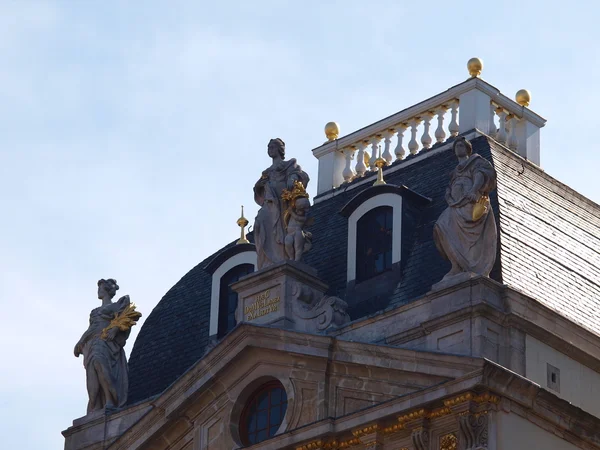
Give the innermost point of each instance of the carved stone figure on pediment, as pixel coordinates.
(102, 348)
(465, 233)
(271, 224)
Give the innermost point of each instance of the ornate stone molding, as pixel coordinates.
(474, 430)
(322, 310)
(420, 438)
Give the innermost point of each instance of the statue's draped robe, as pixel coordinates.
(107, 357)
(269, 226)
(470, 245)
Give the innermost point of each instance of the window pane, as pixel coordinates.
(261, 436)
(261, 420)
(264, 413)
(263, 401)
(374, 242)
(276, 396)
(228, 298)
(275, 418)
(252, 423)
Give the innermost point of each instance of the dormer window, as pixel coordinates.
(227, 268)
(228, 298)
(374, 240)
(374, 232)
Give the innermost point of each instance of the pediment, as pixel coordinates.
(323, 377)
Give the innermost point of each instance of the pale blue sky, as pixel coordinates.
(131, 132)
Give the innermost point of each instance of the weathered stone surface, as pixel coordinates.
(465, 233)
(270, 225)
(289, 295)
(102, 348)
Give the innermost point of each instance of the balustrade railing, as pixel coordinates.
(471, 105)
(360, 156)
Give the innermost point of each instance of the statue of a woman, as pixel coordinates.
(102, 348)
(465, 232)
(269, 225)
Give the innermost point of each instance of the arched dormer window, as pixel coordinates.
(374, 239)
(374, 231)
(228, 298)
(228, 267)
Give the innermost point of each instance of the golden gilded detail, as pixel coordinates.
(366, 430)
(458, 400)
(480, 207)
(448, 442)
(316, 445)
(393, 428)
(487, 397)
(475, 66)
(332, 131)
(523, 97)
(380, 163)
(242, 223)
(124, 321)
(263, 304)
(298, 191)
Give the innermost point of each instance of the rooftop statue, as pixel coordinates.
(273, 193)
(465, 232)
(102, 348)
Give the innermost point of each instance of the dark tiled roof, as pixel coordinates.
(173, 336)
(550, 240)
(549, 248)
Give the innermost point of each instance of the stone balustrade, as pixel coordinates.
(471, 105)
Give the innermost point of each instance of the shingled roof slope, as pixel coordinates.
(549, 249)
(550, 240)
(173, 336)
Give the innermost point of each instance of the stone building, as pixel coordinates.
(360, 346)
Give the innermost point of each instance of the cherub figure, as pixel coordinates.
(297, 241)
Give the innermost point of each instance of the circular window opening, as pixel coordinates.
(263, 414)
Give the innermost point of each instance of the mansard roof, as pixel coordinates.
(549, 249)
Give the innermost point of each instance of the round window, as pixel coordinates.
(263, 413)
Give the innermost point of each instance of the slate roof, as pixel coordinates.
(549, 249)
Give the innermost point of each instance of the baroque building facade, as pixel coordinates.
(382, 315)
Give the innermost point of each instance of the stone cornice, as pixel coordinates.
(246, 338)
(492, 387)
(499, 302)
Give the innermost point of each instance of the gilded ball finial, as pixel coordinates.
(475, 66)
(523, 97)
(242, 223)
(332, 131)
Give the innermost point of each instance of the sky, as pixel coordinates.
(131, 133)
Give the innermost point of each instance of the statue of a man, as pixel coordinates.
(269, 225)
(465, 232)
(102, 348)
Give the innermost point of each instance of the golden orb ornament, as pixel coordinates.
(475, 66)
(332, 131)
(523, 97)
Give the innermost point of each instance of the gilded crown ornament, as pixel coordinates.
(523, 97)
(297, 191)
(475, 66)
(242, 222)
(332, 131)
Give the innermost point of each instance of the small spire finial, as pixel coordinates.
(332, 131)
(242, 223)
(380, 163)
(523, 97)
(475, 66)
